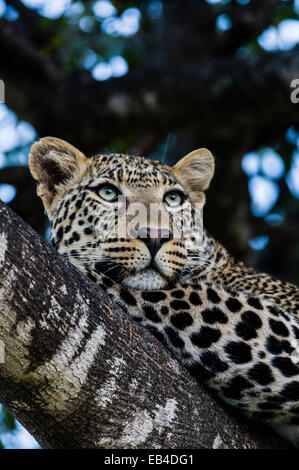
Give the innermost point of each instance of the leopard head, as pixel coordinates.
(134, 219)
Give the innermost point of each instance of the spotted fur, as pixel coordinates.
(235, 330)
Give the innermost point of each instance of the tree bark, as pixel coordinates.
(79, 373)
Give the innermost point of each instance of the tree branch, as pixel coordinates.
(78, 373)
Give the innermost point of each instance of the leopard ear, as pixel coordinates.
(195, 172)
(53, 162)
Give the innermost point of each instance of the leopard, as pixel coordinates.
(234, 329)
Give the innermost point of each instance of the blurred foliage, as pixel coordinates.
(7, 423)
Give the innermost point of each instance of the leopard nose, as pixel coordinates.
(154, 238)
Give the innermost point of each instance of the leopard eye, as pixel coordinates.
(174, 198)
(108, 192)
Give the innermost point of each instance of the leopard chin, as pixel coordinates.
(148, 279)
